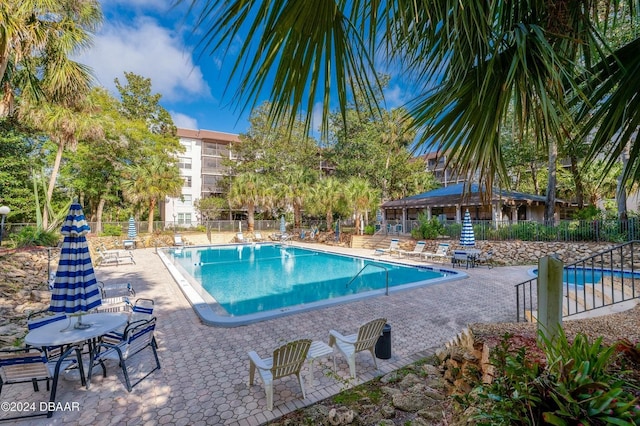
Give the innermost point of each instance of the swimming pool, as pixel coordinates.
(579, 276)
(239, 284)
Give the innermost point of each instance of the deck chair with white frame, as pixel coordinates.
(439, 255)
(417, 250)
(393, 248)
(364, 340)
(286, 360)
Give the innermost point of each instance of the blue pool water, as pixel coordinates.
(580, 276)
(248, 280)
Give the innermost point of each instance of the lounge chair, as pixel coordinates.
(240, 238)
(177, 240)
(439, 254)
(257, 236)
(286, 360)
(350, 345)
(114, 257)
(417, 250)
(393, 247)
(138, 336)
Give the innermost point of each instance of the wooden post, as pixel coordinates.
(550, 270)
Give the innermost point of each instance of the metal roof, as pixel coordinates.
(462, 192)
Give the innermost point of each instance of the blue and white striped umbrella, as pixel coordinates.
(132, 233)
(75, 288)
(467, 238)
(283, 225)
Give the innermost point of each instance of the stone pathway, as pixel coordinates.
(204, 372)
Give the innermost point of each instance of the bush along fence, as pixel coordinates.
(563, 231)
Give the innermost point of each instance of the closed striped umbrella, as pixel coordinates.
(75, 288)
(132, 233)
(467, 238)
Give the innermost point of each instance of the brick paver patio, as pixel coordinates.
(204, 372)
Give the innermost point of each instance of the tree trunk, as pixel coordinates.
(251, 211)
(534, 177)
(621, 190)
(577, 180)
(100, 209)
(152, 208)
(550, 203)
(329, 218)
(297, 216)
(52, 183)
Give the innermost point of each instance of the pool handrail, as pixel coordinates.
(378, 266)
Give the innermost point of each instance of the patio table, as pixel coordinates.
(62, 333)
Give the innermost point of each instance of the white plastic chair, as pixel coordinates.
(286, 360)
(177, 240)
(364, 340)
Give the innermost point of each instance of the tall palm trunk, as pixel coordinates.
(52, 182)
(100, 209)
(251, 213)
(329, 218)
(621, 190)
(577, 180)
(550, 202)
(152, 208)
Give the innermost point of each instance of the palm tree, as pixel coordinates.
(249, 190)
(37, 40)
(471, 62)
(65, 126)
(151, 182)
(326, 196)
(294, 190)
(361, 198)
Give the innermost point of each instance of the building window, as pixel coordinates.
(215, 149)
(186, 199)
(184, 218)
(187, 146)
(187, 182)
(210, 184)
(184, 163)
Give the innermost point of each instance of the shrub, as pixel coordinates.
(32, 236)
(111, 230)
(427, 228)
(369, 229)
(574, 384)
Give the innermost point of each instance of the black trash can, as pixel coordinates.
(383, 345)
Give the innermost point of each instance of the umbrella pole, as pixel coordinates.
(81, 325)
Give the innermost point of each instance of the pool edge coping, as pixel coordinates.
(209, 317)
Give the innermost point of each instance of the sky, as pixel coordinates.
(156, 41)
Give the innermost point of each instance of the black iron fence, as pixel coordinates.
(563, 231)
(604, 279)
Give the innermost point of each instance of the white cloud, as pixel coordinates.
(149, 50)
(394, 96)
(184, 121)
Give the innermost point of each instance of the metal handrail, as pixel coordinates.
(377, 266)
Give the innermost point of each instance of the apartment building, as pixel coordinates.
(201, 167)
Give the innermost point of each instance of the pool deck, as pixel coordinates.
(204, 375)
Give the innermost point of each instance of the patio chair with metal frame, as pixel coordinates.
(138, 336)
(30, 365)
